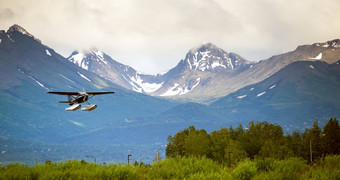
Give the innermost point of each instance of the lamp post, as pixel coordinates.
(92, 157)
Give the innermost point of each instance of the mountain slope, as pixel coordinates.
(225, 83)
(292, 97)
(30, 69)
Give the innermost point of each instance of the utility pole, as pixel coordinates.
(95, 160)
(310, 150)
(129, 158)
(140, 158)
(158, 157)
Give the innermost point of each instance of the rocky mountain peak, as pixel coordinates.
(333, 44)
(17, 28)
(209, 57)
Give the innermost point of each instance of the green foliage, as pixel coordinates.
(291, 168)
(265, 164)
(236, 152)
(184, 168)
(259, 140)
(259, 152)
(331, 137)
(180, 168)
(245, 170)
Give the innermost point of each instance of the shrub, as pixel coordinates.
(245, 170)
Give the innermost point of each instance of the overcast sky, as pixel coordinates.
(152, 36)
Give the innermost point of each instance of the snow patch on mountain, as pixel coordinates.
(100, 56)
(76, 123)
(241, 97)
(318, 57)
(173, 91)
(48, 52)
(83, 76)
(10, 38)
(39, 83)
(218, 64)
(78, 59)
(147, 87)
(262, 93)
(176, 89)
(67, 78)
(197, 83)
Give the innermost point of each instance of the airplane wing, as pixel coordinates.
(63, 93)
(99, 93)
(77, 93)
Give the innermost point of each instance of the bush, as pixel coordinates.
(183, 168)
(264, 164)
(329, 168)
(245, 170)
(281, 169)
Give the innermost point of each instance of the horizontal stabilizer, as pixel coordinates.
(64, 101)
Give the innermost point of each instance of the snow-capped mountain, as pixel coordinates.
(216, 84)
(199, 65)
(210, 58)
(205, 74)
(100, 63)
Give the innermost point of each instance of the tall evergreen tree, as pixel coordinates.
(331, 137)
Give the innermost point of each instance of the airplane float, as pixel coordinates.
(76, 98)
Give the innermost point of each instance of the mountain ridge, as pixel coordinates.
(208, 72)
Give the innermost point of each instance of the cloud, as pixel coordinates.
(153, 35)
(6, 14)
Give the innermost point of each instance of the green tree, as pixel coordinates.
(235, 152)
(175, 146)
(219, 141)
(331, 137)
(197, 143)
(312, 142)
(189, 142)
(276, 150)
(316, 139)
(257, 134)
(295, 143)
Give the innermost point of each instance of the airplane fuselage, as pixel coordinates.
(78, 99)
